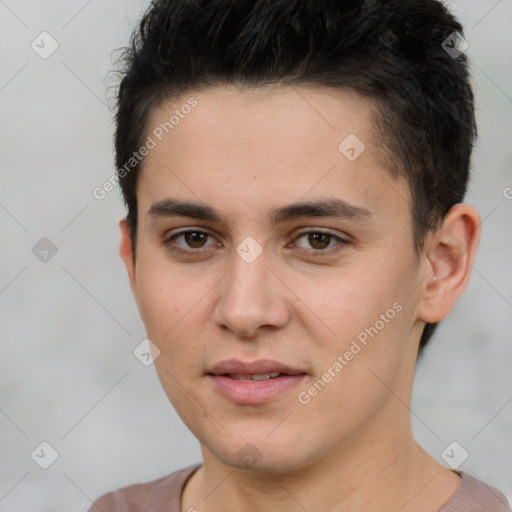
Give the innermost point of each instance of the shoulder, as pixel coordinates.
(161, 495)
(475, 496)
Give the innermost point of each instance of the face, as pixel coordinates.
(271, 242)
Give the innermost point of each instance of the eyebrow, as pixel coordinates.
(336, 208)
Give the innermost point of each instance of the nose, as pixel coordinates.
(252, 298)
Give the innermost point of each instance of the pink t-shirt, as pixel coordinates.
(164, 495)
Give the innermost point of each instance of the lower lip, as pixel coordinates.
(254, 392)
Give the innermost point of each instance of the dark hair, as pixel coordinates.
(395, 53)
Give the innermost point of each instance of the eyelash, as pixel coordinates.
(342, 243)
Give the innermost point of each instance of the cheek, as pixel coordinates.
(164, 296)
(371, 355)
(352, 299)
(172, 308)
(367, 309)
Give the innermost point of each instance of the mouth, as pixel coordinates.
(260, 369)
(256, 376)
(254, 383)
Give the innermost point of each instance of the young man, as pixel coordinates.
(294, 174)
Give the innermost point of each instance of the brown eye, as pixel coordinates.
(319, 240)
(189, 242)
(195, 239)
(321, 243)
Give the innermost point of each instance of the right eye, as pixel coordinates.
(193, 240)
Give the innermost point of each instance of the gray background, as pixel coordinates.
(70, 325)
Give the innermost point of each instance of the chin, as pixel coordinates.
(259, 453)
(265, 463)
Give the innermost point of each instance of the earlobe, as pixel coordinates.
(450, 260)
(127, 255)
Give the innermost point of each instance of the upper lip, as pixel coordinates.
(252, 367)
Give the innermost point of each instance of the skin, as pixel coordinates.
(245, 152)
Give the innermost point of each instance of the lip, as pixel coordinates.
(244, 392)
(252, 367)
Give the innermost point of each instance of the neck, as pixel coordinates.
(389, 472)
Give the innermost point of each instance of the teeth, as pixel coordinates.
(260, 376)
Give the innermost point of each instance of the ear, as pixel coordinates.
(126, 251)
(450, 252)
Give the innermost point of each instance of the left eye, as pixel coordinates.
(319, 240)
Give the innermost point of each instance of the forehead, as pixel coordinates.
(314, 116)
(243, 146)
